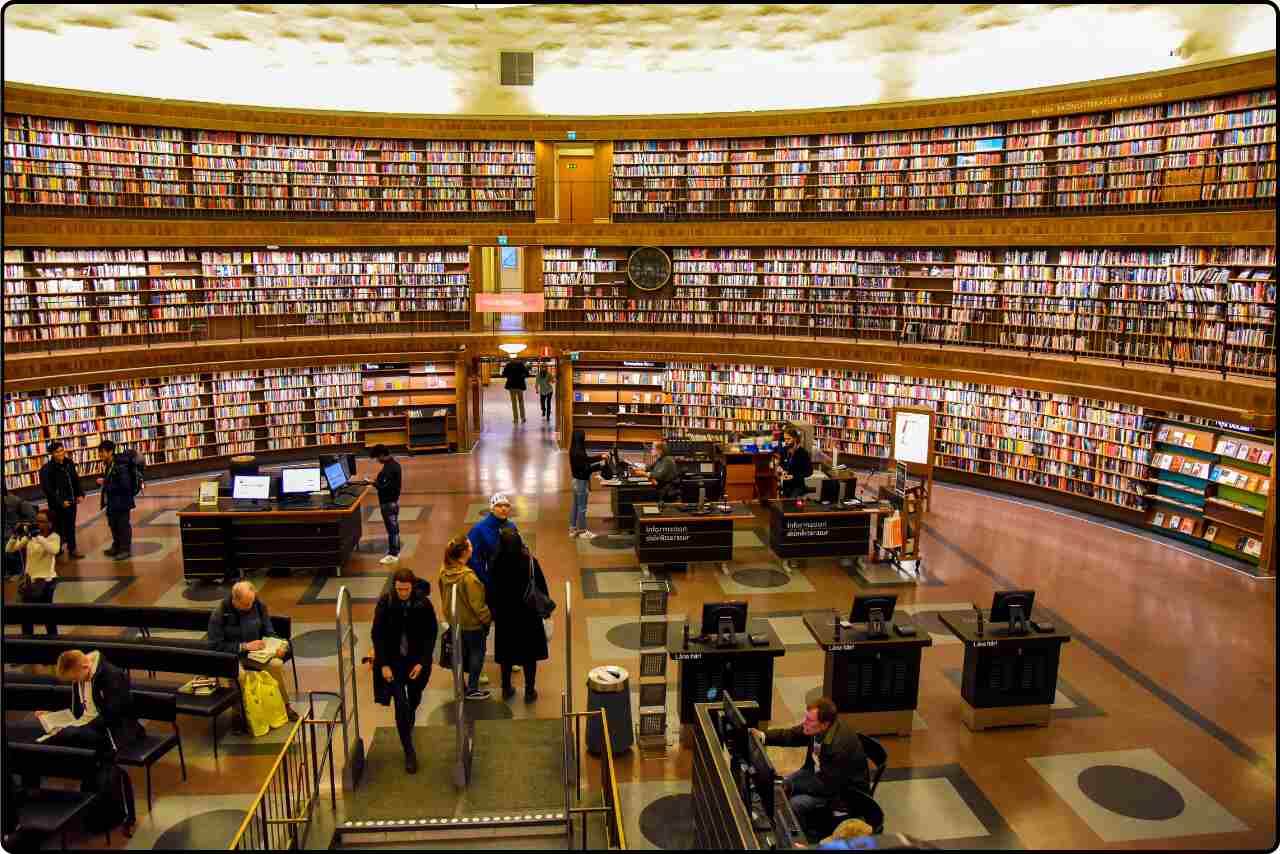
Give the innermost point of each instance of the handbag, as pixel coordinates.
(534, 599)
(446, 647)
(549, 628)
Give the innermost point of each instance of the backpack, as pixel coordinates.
(114, 805)
(137, 469)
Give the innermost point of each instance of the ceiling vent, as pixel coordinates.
(517, 68)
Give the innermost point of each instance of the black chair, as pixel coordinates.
(48, 811)
(858, 804)
(159, 706)
(878, 757)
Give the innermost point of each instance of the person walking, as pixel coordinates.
(117, 484)
(39, 579)
(484, 537)
(404, 637)
(546, 388)
(60, 483)
(516, 372)
(388, 484)
(582, 465)
(519, 637)
(472, 615)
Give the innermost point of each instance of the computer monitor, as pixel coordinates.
(876, 611)
(787, 830)
(733, 728)
(689, 490)
(335, 476)
(851, 489)
(715, 490)
(829, 493)
(736, 612)
(244, 469)
(1012, 607)
(763, 774)
(349, 465)
(251, 487)
(300, 481)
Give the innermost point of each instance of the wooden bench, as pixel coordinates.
(49, 811)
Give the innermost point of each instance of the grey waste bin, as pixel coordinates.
(609, 688)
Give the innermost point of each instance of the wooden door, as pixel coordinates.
(574, 178)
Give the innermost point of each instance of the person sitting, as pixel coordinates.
(240, 624)
(101, 696)
(833, 763)
(663, 473)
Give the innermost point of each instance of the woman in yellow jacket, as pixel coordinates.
(472, 614)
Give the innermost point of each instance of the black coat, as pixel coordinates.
(228, 628)
(516, 372)
(418, 619)
(518, 633)
(60, 483)
(114, 701)
(841, 759)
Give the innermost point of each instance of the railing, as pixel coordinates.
(610, 808)
(464, 726)
(349, 711)
(281, 815)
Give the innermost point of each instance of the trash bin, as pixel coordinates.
(609, 688)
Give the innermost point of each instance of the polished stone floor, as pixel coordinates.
(1164, 729)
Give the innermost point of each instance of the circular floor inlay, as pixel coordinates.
(205, 592)
(1130, 792)
(761, 578)
(668, 822)
(319, 643)
(210, 831)
(626, 636)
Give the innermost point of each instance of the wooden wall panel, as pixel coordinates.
(1238, 400)
(544, 182)
(602, 202)
(1255, 71)
(1210, 228)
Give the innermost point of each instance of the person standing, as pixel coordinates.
(546, 388)
(388, 485)
(404, 636)
(484, 537)
(60, 482)
(39, 578)
(516, 372)
(519, 638)
(581, 464)
(472, 615)
(117, 484)
(795, 465)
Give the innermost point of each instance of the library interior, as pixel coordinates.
(858, 330)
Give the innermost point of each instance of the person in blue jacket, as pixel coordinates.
(484, 536)
(118, 488)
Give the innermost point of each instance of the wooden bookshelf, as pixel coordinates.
(69, 298)
(1212, 150)
(619, 401)
(391, 391)
(58, 165)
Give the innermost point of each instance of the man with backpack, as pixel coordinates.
(121, 480)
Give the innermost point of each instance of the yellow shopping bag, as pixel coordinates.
(263, 705)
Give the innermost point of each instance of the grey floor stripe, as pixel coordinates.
(1167, 697)
(1212, 557)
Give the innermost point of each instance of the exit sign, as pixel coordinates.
(502, 240)
(573, 134)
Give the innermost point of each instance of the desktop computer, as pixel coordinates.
(250, 492)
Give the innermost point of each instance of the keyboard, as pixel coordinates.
(344, 500)
(249, 506)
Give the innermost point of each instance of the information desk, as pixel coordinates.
(221, 542)
(876, 683)
(746, 671)
(1008, 679)
(721, 820)
(626, 494)
(817, 530)
(670, 534)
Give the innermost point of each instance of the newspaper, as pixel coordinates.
(271, 647)
(55, 721)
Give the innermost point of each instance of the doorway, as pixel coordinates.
(498, 418)
(575, 184)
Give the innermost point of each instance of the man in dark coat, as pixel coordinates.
(60, 483)
(117, 497)
(404, 636)
(516, 372)
(100, 692)
(241, 624)
(519, 638)
(834, 761)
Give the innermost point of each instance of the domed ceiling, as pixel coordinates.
(607, 59)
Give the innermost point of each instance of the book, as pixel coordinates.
(270, 648)
(1177, 437)
(1264, 458)
(208, 495)
(53, 722)
(1188, 525)
(1228, 448)
(1189, 440)
(200, 686)
(1158, 521)
(1255, 453)
(1216, 474)
(1265, 486)
(1240, 543)
(1211, 532)
(1253, 547)
(1163, 434)
(1175, 521)
(1220, 448)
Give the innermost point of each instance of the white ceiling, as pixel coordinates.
(607, 59)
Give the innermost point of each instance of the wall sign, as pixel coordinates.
(911, 437)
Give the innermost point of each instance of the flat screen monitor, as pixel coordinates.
(300, 481)
(689, 490)
(349, 465)
(1003, 600)
(851, 489)
(335, 476)
(706, 468)
(713, 611)
(863, 605)
(763, 774)
(733, 728)
(787, 831)
(829, 493)
(715, 490)
(251, 487)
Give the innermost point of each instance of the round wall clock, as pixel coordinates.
(649, 268)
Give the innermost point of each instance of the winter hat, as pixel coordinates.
(499, 498)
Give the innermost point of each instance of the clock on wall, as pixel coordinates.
(649, 268)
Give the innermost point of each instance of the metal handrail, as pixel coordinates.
(352, 745)
(281, 813)
(612, 806)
